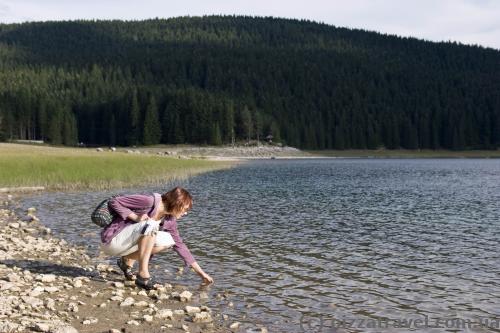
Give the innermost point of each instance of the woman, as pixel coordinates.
(146, 225)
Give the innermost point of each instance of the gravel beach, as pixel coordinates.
(47, 285)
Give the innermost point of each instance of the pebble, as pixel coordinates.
(127, 302)
(165, 314)
(48, 278)
(78, 284)
(235, 325)
(90, 321)
(192, 309)
(41, 327)
(65, 329)
(133, 322)
(185, 296)
(141, 304)
(113, 330)
(202, 317)
(118, 284)
(148, 318)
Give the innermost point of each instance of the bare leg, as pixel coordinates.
(146, 244)
(132, 257)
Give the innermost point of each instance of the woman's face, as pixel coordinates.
(183, 212)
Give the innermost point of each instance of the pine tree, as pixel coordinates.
(152, 127)
(134, 115)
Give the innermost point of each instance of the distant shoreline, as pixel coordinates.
(403, 153)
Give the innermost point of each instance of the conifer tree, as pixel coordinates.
(152, 127)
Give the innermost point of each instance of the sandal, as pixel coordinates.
(145, 283)
(127, 270)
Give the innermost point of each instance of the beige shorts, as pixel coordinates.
(126, 241)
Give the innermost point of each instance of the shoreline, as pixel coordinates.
(48, 285)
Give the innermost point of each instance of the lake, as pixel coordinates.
(312, 245)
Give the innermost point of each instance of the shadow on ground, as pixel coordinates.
(46, 267)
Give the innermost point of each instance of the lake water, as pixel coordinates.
(311, 245)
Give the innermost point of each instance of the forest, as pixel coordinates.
(223, 79)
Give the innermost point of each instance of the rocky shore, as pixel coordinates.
(222, 153)
(47, 285)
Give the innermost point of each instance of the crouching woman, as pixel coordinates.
(145, 225)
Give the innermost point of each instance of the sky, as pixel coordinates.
(465, 21)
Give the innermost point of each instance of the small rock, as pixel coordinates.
(202, 317)
(51, 290)
(165, 314)
(148, 318)
(185, 327)
(192, 309)
(48, 278)
(142, 293)
(185, 296)
(31, 210)
(73, 307)
(41, 327)
(179, 312)
(235, 325)
(14, 225)
(78, 284)
(32, 301)
(116, 298)
(50, 304)
(133, 322)
(65, 329)
(13, 277)
(141, 304)
(90, 321)
(113, 330)
(118, 284)
(127, 302)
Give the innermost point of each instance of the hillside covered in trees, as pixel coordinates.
(222, 78)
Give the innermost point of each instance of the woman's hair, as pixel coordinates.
(176, 199)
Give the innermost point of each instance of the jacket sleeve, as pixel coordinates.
(179, 247)
(125, 205)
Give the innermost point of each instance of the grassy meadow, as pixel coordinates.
(78, 168)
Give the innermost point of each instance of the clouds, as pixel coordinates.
(466, 21)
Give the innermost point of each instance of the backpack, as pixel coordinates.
(102, 214)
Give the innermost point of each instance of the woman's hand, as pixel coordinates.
(207, 278)
(136, 218)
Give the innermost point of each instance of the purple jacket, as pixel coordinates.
(140, 204)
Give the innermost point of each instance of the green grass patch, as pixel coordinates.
(75, 168)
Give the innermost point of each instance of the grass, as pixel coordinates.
(402, 153)
(78, 168)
